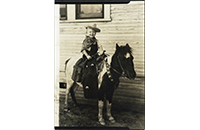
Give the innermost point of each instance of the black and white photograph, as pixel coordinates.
(99, 71)
(99, 66)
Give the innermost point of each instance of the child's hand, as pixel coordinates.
(100, 50)
(89, 57)
(86, 54)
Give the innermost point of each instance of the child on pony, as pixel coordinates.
(90, 49)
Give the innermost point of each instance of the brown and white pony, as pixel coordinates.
(112, 67)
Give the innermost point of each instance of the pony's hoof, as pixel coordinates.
(102, 122)
(76, 105)
(66, 110)
(111, 119)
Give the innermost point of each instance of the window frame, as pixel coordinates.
(71, 14)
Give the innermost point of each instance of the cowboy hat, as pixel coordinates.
(93, 27)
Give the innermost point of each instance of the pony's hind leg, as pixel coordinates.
(69, 85)
(66, 100)
(72, 90)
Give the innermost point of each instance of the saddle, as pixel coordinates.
(88, 76)
(80, 65)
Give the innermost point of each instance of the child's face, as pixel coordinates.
(91, 33)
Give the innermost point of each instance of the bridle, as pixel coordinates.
(120, 64)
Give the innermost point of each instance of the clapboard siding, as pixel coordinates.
(126, 26)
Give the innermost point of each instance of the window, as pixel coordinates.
(84, 12)
(63, 11)
(89, 11)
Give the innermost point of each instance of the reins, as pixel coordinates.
(115, 70)
(123, 72)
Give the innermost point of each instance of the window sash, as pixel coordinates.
(63, 11)
(80, 15)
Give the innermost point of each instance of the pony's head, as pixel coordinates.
(124, 59)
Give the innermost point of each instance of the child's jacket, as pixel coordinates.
(90, 45)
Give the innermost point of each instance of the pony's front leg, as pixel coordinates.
(109, 115)
(100, 115)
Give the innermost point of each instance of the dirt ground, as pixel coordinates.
(85, 115)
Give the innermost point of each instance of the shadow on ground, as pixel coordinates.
(85, 115)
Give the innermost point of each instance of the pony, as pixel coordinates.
(107, 79)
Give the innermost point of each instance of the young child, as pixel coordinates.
(90, 47)
(90, 44)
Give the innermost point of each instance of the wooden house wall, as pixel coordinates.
(129, 96)
(126, 26)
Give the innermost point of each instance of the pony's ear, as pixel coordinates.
(129, 48)
(117, 46)
(127, 45)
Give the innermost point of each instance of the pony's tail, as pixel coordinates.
(66, 64)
